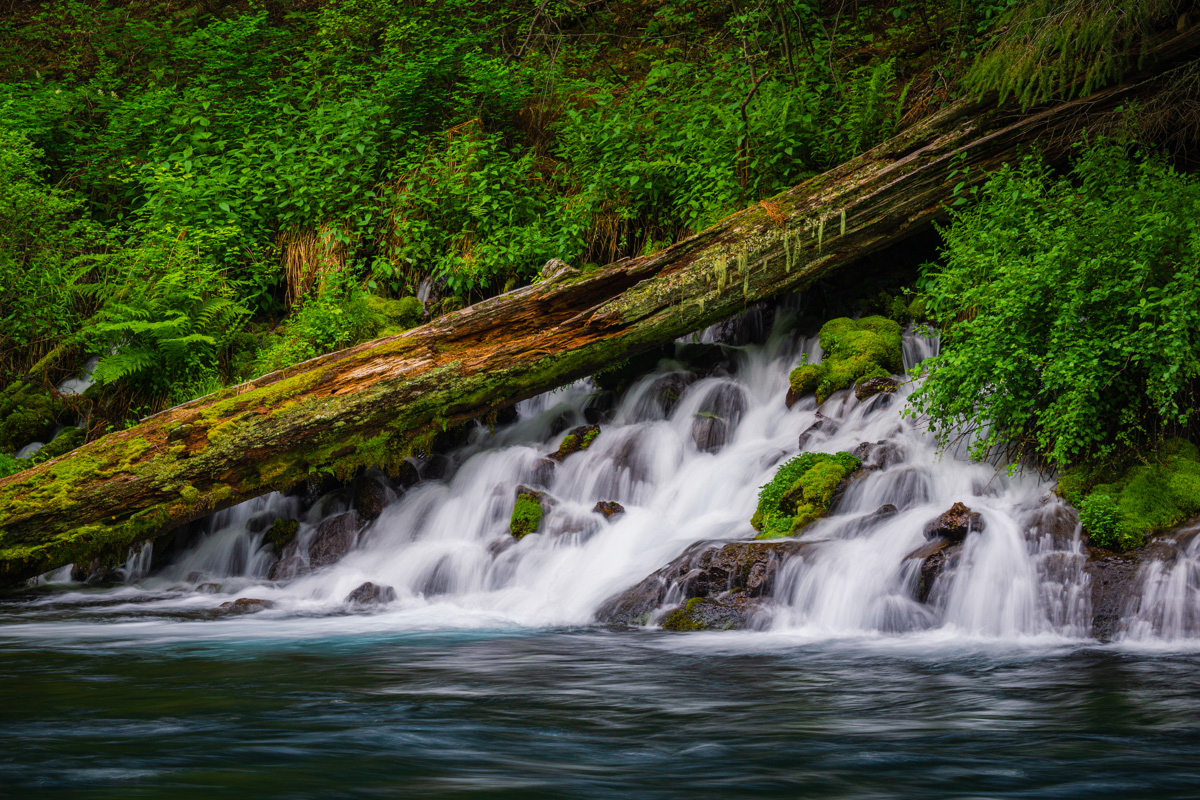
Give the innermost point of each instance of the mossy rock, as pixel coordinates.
(527, 512)
(66, 441)
(282, 532)
(394, 316)
(800, 493)
(854, 350)
(707, 614)
(580, 438)
(27, 414)
(1127, 505)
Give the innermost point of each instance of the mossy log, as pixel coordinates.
(377, 402)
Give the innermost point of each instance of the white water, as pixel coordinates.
(444, 545)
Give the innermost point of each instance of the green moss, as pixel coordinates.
(588, 438)
(800, 493)
(854, 350)
(685, 617)
(1121, 507)
(918, 309)
(281, 533)
(27, 414)
(68, 440)
(526, 516)
(396, 315)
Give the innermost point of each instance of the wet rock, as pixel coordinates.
(609, 508)
(371, 594)
(618, 377)
(335, 537)
(437, 467)
(954, 524)
(667, 389)
(246, 605)
(820, 430)
(260, 522)
(529, 507)
(880, 455)
(208, 588)
(885, 511)
(507, 415)
(600, 407)
(282, 532)
(369, 498)
(730, 573)
(717, 418)
(1115, 589)
(580, 438)
(870, 387)
(751, 325)
(935, 557)
(711, 614)
(404, 475)
(702, 358)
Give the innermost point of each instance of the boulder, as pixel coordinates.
(711, 614)
(733, 575)
(880, 455)
(954, 524)
(335, 537)
(404, 475)
(667, 389)
(528, 509)
(371, 594)
(718, 416)
(870, 387)
(822, 429)
(246, 605)
(934, 556)
(703, 358)
(609, 508)
(580, 438)
(369, 498)
(282, 532)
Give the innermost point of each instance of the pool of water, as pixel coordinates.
(585, 712)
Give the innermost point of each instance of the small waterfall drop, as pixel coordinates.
(683, 452)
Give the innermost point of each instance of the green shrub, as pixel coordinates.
(1070, 308)
(800, 493)
(1101, 519)
(338, 315)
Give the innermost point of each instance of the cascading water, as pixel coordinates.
(685, 456)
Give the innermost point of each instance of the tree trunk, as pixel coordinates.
(378, 402)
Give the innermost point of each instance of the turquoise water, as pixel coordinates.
(584, 713)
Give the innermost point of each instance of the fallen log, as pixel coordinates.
(378, 402)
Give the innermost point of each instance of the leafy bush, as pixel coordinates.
(1101, 517)
(1071, 310)
(338, 315)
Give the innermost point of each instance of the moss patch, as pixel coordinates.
(1120, 508)
(800, 493)
(282, 532)
(580, 438)
(526, 515)
(27, 414)
(65, 442)
(854, 349)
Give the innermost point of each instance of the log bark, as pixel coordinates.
(378, 402)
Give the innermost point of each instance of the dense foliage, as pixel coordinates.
(1071, 308)
(177, 177)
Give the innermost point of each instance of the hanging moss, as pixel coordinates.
(854, 350)
(800, 493)
(1120, 508)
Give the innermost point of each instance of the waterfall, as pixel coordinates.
(684, 454)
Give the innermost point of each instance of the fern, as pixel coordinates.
(1054, 49)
